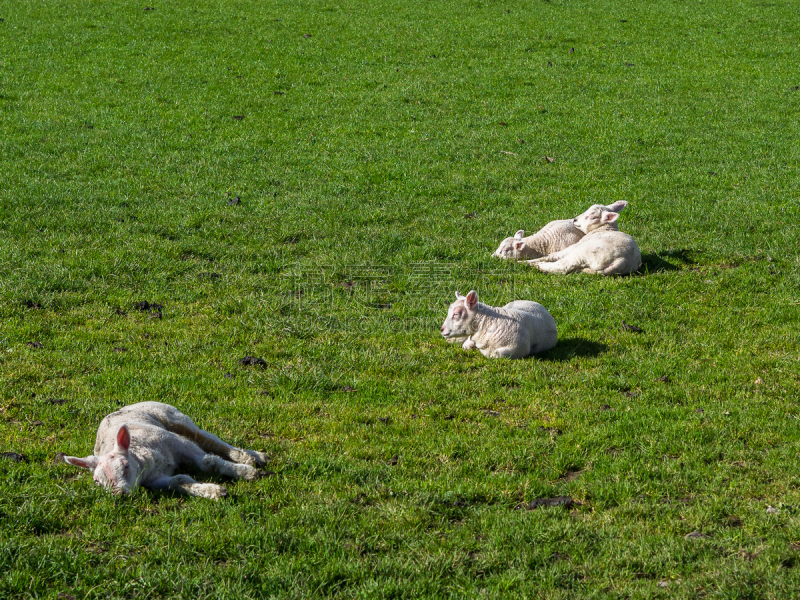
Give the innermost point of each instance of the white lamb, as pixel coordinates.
(516, 330)
(143, 444)
(604, 249)
(553, 237)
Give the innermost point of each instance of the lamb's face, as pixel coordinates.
(455, 325)
(595, 216)
(118, 472)
(460, 317)
(510, 247)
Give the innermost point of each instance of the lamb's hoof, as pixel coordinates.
(262, 458)
(247, 472)
(212, 491)
(245, 457)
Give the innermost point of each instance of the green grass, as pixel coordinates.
(385, 149)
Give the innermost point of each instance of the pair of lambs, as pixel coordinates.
(591, 242)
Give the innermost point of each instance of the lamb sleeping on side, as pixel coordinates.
(144, 443)
(516, 330)
(604, 249)
(553, 237)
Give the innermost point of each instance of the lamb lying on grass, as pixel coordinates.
(553, 237)
(143, 444)
(516, 330)
(604, 249)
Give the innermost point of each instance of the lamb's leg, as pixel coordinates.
(468, 345)
(186, 485)
(503, 352)
(564, 267)
(211, 463)
(179, 423)
(550, 257)
(616, 266)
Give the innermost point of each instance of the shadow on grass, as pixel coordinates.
(569, 348)
(659, 263)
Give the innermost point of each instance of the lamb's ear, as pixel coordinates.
(617, 206)
(90, 462)
(123, 439)
(609, 217)
(472, 299)
(520, 234)
(519, 244)
(459, 296)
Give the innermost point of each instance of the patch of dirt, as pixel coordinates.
(564, 501)
(37, 345)
(15, 456)
(145, 306)
(732, 521)
(633, 328)
(57, 401)
(571, 475)
(348, 388)
(551, 430)
(253, 361)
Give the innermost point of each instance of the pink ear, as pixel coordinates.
(519, 245)
(472, 299)
(458, 296)
(123, 438)
(90, 462)
(617, 206)
(520, 234)
(610, 217)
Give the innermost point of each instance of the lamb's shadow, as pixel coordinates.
(658, 263)
(570, 348)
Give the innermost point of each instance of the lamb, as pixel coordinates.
(143, 444)
(553, 237)
(604, 249)
(516, 330)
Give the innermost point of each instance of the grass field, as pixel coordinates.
(309, 182)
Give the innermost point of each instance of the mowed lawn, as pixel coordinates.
(309, 182)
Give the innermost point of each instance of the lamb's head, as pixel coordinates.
(117, 470)
(596, 216)
(460, 321)
(511, 247)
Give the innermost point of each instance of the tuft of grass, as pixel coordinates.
(379, 151)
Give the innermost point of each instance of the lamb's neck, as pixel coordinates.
(484, 321)
(603, 228)
(538, 244)
(143, 456)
